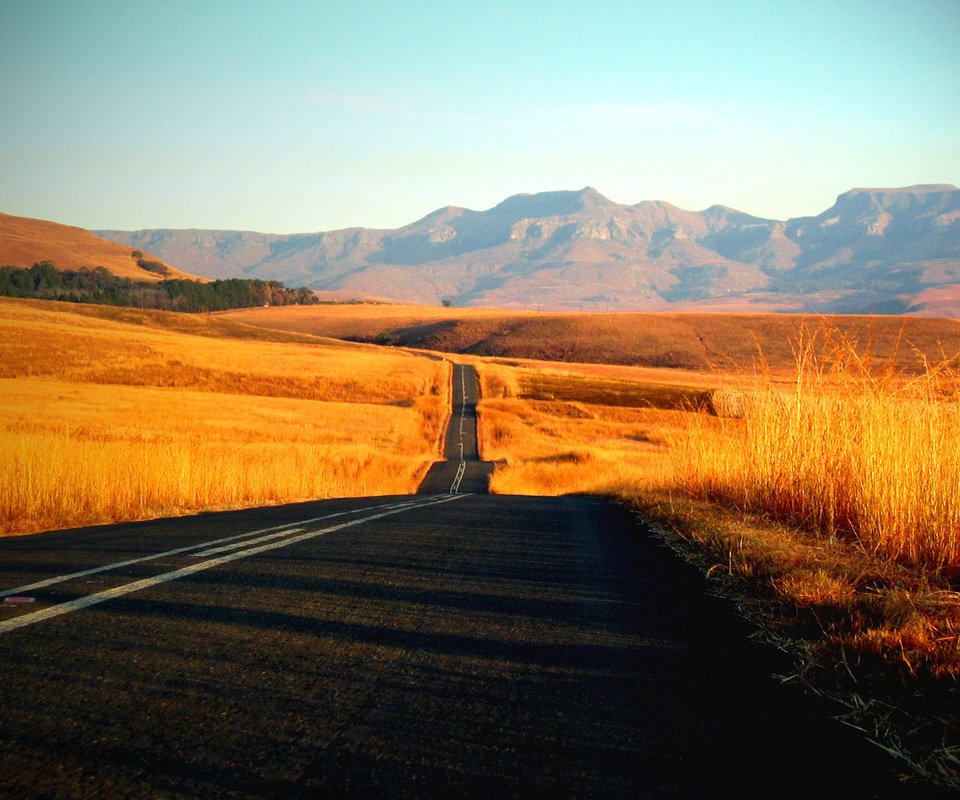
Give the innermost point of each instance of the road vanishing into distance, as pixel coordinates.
(448, 644)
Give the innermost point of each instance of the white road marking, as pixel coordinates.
(146, 583)
(246, 542)
(455, 486)
(178, 550)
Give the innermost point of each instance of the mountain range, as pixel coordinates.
(894, 251)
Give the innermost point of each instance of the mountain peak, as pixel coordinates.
(438, 217)
(929, 195)
(719, 216)
(591, 198)
(919, 188)
(872, 252)
(552, 204)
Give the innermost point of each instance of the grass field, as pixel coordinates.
(846, 452)
(825, 503)
(111, 414)
(813, 471)
(579, 429)
(680, 341)
(844, 445)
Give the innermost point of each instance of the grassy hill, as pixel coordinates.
(676, 340)
(25, 242)
(47, 261)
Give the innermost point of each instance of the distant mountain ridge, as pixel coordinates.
(873, 251)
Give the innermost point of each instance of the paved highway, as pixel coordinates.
(448, 644)
(462, 470)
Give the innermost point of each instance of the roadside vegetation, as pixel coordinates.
(848, 449)
(824, 500)
(115, 414)
(813, 475)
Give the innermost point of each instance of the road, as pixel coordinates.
(461, 471)
(448, 644)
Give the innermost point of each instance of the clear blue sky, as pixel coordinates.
(303, 116)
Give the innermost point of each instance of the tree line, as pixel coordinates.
(44, 281)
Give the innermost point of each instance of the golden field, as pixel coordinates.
(840, 447)
(824, 502)
(25, 241)
(114, 414)
(813, 473)
(582, 429)
(686, 341)
(844, 452)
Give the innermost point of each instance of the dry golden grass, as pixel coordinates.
(106, 420)
(580, 429)
(845, 447)
(827, 507)
(352, 320)
(25, 241)
(693, 341)
(845, 451)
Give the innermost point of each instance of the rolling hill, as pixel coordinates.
(25, 242)
(688, 341)
(893, 251)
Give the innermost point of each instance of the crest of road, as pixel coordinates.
(462, 471)
(450, 644)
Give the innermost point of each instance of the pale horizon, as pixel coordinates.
(285, 118)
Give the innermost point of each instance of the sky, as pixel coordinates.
(287, 117)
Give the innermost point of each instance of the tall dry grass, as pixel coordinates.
(848, 446)
(64, 481)
(849, 449)
(855, 451)
(103, 420)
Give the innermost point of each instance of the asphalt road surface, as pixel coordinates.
(462, 471)
(448, 644)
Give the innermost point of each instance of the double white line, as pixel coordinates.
(455, 486)
(291, 533)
